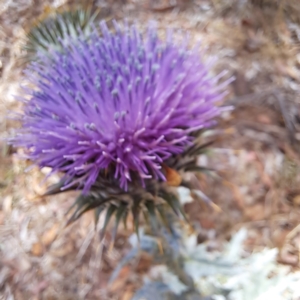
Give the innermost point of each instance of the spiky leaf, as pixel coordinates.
(57, 28)
(119, 214)
(110, 211)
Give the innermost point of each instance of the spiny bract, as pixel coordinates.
(117, 115)
(58, 28)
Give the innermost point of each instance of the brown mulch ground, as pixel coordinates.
(257, 154)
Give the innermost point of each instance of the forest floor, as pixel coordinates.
(256, 152)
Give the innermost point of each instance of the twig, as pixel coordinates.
(287, 120)
(249, 99)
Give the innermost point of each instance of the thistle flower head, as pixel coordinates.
(120, 104)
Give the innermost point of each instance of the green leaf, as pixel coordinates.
(55, 188)
(110, 211)
(192, 167)
(125, 219)
(60, 26)
(174, 203)
(196, 149)
(135, 213)
(97, 212)
(153, 219)
(120, 212)
(167, 197)
(161, 210)
(183, 163)
(85, 203)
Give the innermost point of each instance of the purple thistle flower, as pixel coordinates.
(119, 103)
